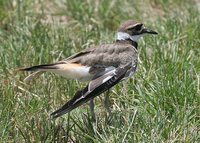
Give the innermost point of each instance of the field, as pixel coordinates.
(160, 103)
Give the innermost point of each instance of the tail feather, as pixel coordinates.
(38, 68)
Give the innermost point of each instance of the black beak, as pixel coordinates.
(149, 31)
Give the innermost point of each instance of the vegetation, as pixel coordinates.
(160, 103)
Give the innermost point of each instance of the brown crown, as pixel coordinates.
(127, 24)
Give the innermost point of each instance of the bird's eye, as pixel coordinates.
(138, 27)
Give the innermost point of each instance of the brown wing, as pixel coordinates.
(77, 56)
(105, 55)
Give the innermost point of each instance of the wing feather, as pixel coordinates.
(95, 88)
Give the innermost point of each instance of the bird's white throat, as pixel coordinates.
(124, 36)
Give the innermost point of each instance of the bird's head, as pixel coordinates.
(133, 30)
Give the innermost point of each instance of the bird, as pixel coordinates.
(102, 66)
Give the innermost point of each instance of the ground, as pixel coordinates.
(160, 103)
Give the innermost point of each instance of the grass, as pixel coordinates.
(160, 103)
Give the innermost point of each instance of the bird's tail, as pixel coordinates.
(38, 68)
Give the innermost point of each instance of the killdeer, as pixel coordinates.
(103, 66)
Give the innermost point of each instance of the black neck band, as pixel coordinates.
(133, 43)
